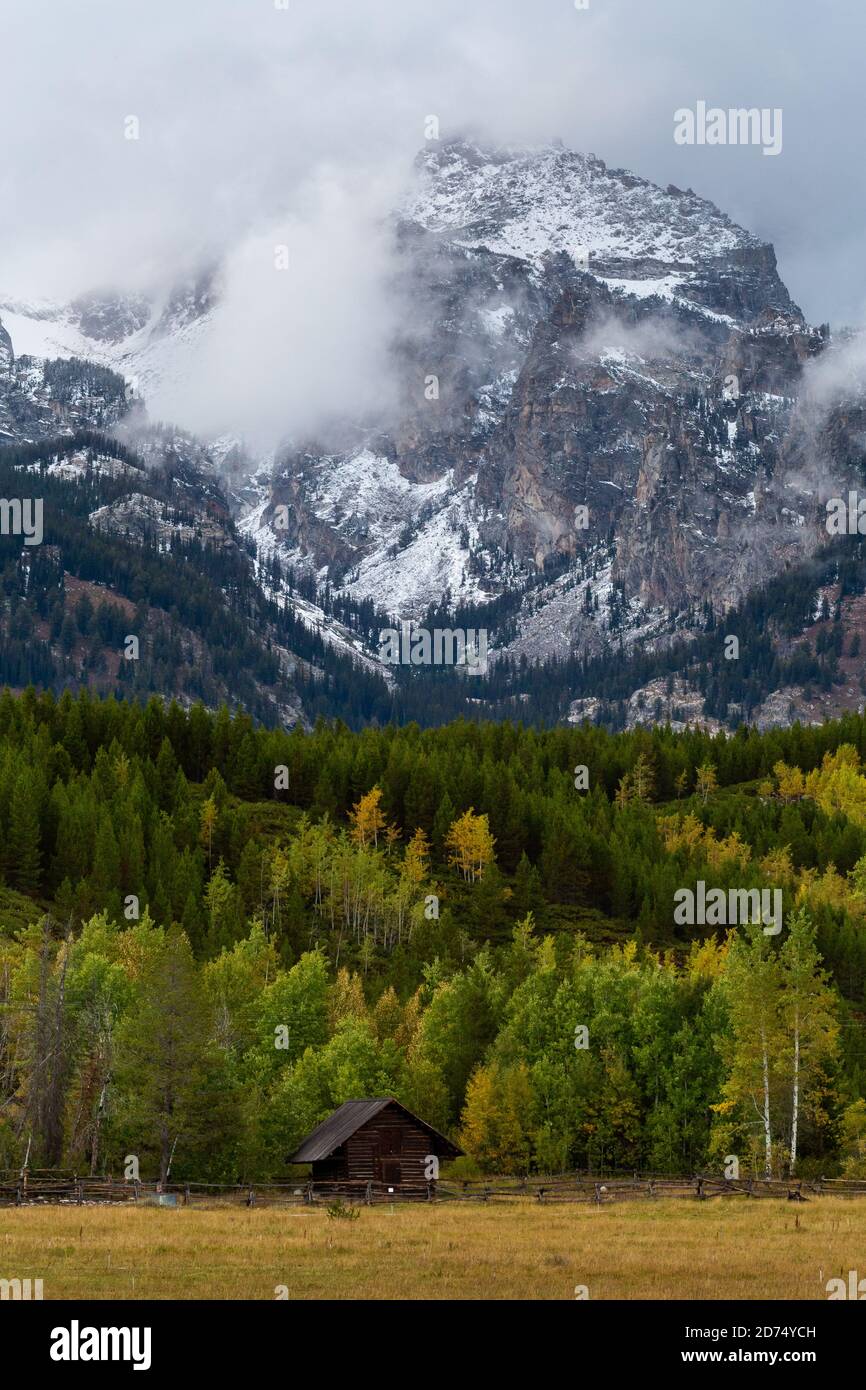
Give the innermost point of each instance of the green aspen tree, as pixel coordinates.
(808, 1013)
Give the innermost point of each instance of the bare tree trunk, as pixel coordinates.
(768, 1142)
(795, 1106)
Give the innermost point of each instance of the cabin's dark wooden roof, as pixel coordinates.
(347, 1119)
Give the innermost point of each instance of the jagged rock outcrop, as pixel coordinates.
(577, 338)
(7, 356)
(604, 412)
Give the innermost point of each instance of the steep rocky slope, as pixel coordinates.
(608, 428)
(597, 377)
(148, 339)
(136, 539)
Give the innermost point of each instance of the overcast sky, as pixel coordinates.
(253, 117)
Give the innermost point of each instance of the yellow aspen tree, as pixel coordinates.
(706, 781)
(479, 1134)
(416, 860)
(368, 819)
(792, 784)
(346, 999)
(471, 845)
(776, 865)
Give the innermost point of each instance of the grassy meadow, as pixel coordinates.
(710, 1250)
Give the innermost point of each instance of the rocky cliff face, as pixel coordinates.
(605, 414)
(40, 399)
(7, 356)
(596, 373)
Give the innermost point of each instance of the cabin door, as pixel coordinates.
(390, 1156)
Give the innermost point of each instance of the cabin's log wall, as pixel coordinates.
(389, 1139)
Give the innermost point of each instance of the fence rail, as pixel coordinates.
(68, 1189)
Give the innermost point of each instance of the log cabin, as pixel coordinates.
(374, 1141)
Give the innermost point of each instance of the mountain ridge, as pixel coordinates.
(606, 420)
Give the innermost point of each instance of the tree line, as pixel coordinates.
(214, 932)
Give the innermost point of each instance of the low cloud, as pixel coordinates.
(652, 339)
(300, 337)
(838, 374)
(253, 118)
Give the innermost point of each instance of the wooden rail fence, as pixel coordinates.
(68, 1189)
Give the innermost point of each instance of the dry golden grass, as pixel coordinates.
(715, 1249)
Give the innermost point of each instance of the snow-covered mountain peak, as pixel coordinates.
(529, 203)
(149, 339)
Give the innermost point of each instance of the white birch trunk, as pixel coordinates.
(795, 1106)
(768, 1142)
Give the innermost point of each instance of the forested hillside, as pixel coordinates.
(212, 933)
(144, 547)
(138, 540)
